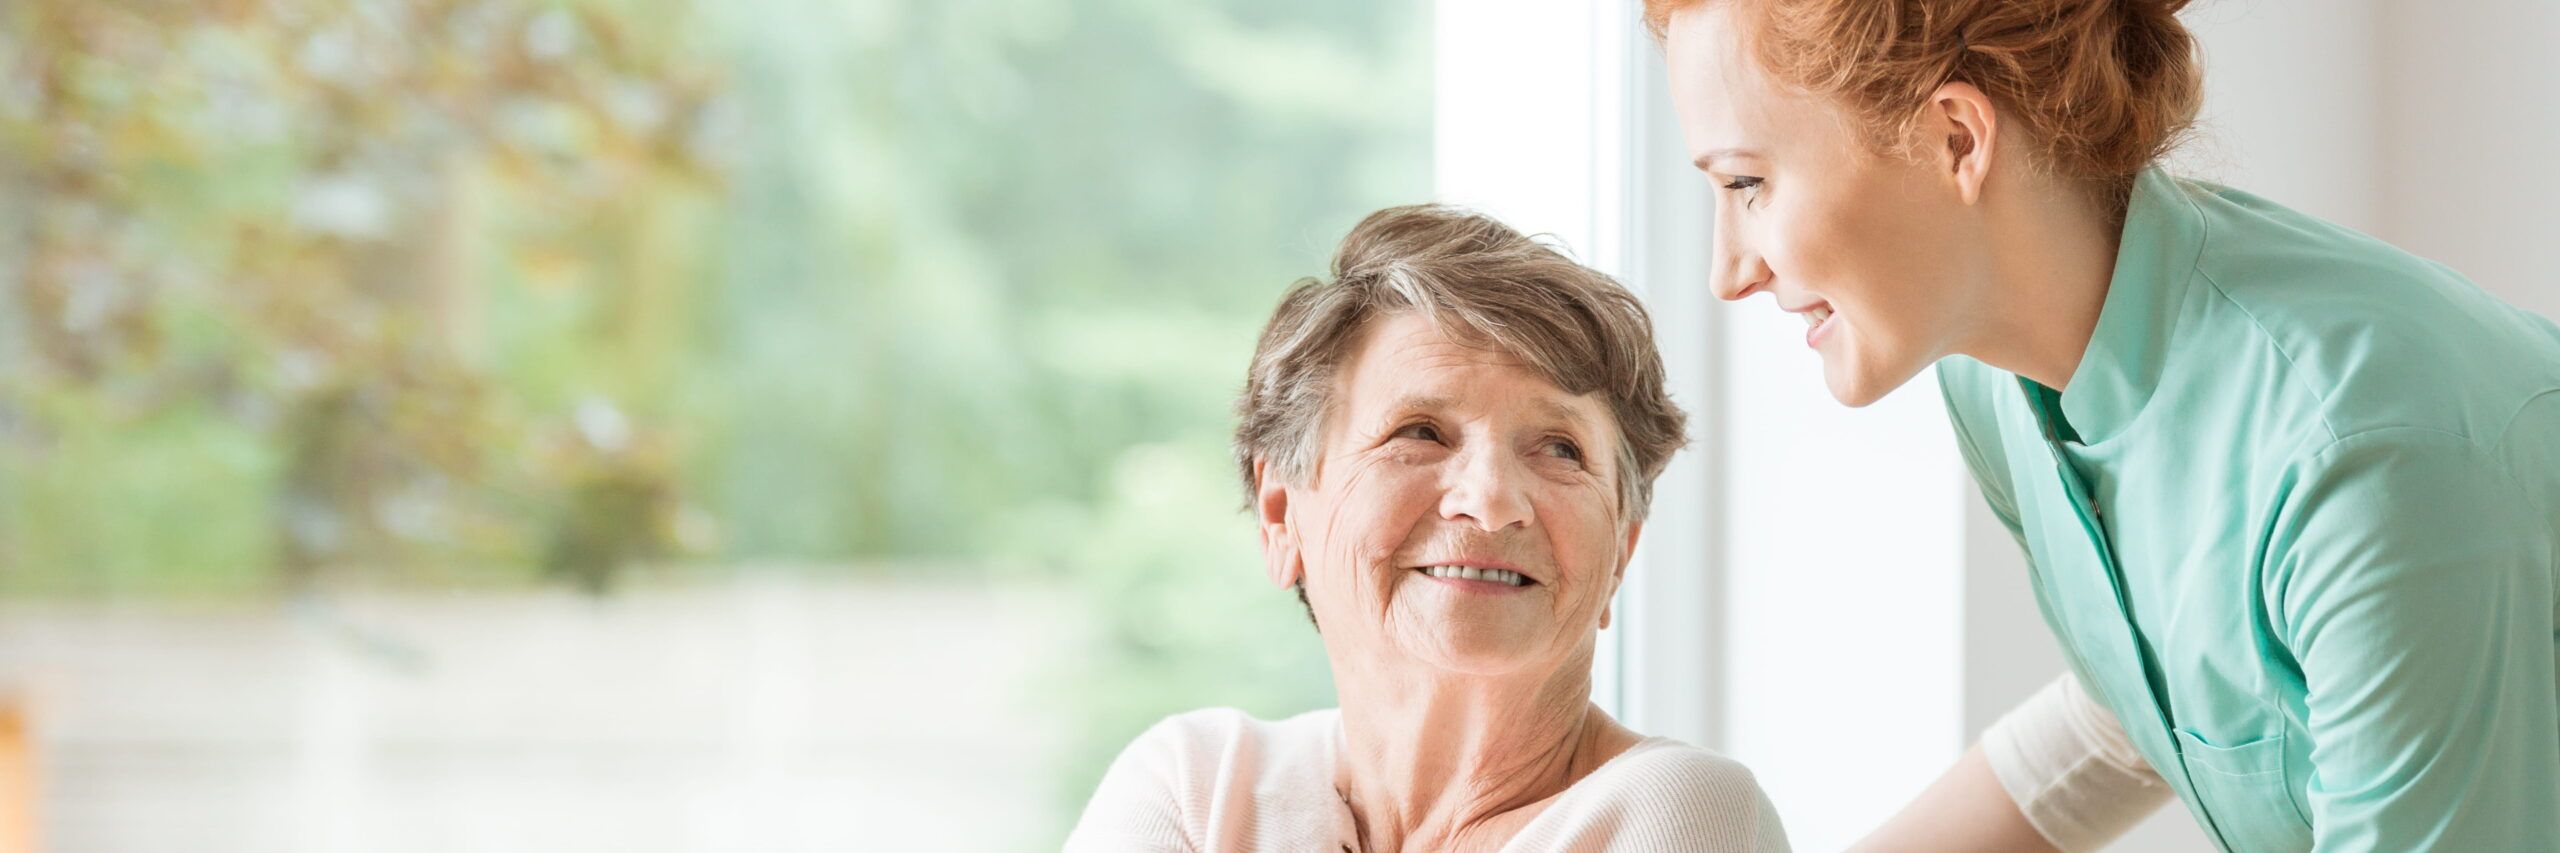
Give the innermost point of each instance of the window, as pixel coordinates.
(620, 425)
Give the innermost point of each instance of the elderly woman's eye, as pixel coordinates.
(1563, 449)
(1425, 432)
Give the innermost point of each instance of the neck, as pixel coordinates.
(1437, 761)
(2054, 253)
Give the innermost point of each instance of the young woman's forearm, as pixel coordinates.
(1964, 810)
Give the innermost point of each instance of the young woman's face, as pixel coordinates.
(1876, 252)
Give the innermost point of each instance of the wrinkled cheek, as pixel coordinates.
(1584, 532)
(1407, 628)
(1364, 531)
(1591, 599)
(1355, 570)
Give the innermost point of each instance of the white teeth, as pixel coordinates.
(1475, 574)
(1815, 316)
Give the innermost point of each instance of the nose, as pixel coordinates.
(1488, 489)
(1737, 271)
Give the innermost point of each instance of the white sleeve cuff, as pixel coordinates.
(2068, 765)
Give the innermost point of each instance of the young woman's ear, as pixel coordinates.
(1280, 554)
(1961, 132)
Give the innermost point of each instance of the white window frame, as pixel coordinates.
(1540, 119)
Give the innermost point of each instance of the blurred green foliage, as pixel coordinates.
(415, 282)
(269, 268)
(490, 291)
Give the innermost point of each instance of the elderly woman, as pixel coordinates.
(1449, 449)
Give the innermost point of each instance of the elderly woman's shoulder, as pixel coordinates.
(1697, 768)
(1225, 748)
(1215, 773)
(1667, 791)
(1226, 731)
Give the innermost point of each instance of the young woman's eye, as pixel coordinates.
(1747, 185)
(1424, 432)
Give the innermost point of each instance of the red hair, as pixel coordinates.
(2102, 87)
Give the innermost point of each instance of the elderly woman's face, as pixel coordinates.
(1443, 467)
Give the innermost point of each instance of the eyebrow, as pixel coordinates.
(1560, 411)
(1705, 161)
(1414, 403)
(1544, 406)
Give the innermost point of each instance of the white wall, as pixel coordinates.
(2433, 125)
(2290, 106)
(2470, 140)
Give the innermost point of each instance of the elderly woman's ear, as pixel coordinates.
(1626, 553)
(1280, 556)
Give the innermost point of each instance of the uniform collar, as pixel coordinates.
(2164, 235)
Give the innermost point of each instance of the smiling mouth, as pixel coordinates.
(1817, 324)
(1465, 573)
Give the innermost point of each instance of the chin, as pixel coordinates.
(1853, 389)
(1859, 383)
(1474, 653)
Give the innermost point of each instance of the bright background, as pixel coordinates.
(633, 425)
(793, 425)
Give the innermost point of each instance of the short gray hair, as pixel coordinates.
(1477, 281)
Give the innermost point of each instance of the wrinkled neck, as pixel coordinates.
(1439, 761)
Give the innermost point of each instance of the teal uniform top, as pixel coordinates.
(2295, 518)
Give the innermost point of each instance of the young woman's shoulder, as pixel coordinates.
(2380, 337)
